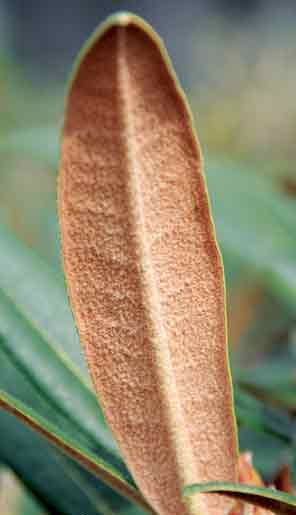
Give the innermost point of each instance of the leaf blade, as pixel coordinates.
(106, 472)
(26, 316)
(268, 498)
(51, 376)
(124, 241)
(269, 253)
(60, 484)
(18, 264)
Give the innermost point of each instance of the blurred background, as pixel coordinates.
(237, 64)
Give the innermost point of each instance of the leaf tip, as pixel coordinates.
(123, 18)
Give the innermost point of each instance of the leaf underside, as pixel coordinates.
(142, 265)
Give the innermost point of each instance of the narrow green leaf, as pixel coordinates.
(40, 321)
(37, 291)
(266, 431)
(56, 382)
(44, 389)
(274, 378)
(60, 484)
(104, 471)
(36, 143)
(257, 415)
(268, 498)
(262, 237)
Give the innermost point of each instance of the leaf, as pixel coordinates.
(266, 431)
(59, 483)
(274, 378)
(34, 371)
(268, 498)
(259, 416)
(37, 291)
(26, 315)
(104, 471)
(262, 237)
(37, 143)
(60, 388)
(144, 273)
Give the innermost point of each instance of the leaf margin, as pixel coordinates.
(105, 472)
(269, 498)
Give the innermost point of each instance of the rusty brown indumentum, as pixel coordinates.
(143, 269)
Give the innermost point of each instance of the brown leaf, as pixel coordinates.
(144, 273)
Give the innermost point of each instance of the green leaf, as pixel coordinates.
(60, 484)
(268, 498)
(263, 236)
(274, 378)
(36, 143)
(37, 291)
(49, 389)
(260, 417)
(38, 321)
(266, 431)
(62, 391)
(97, 466)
